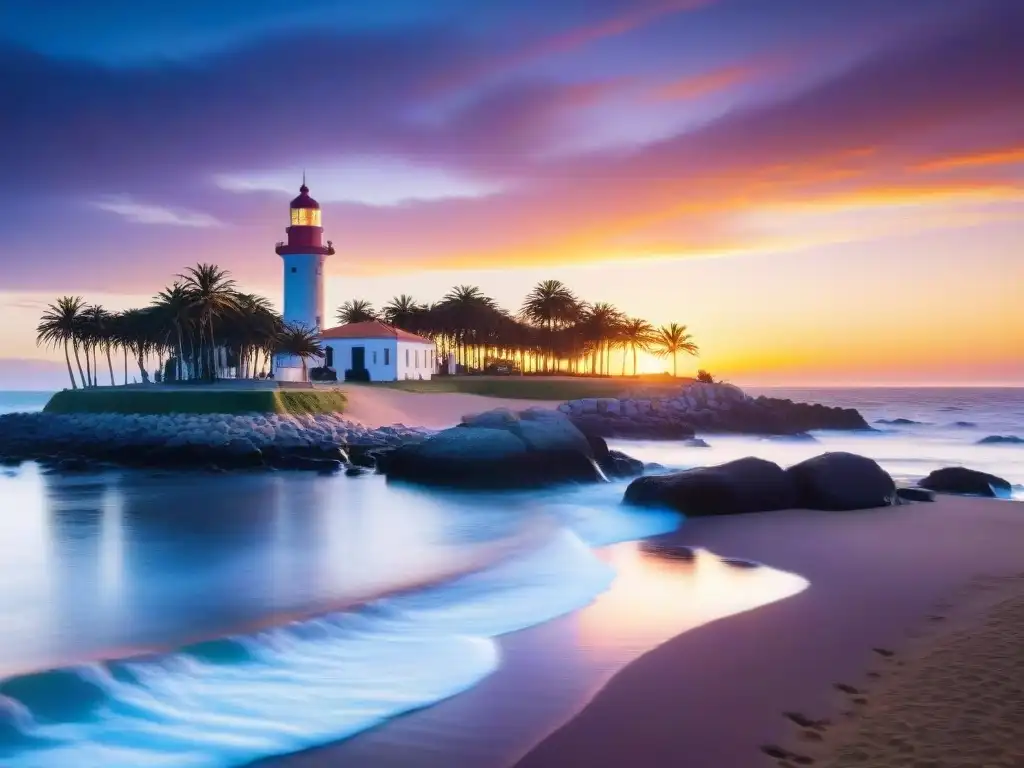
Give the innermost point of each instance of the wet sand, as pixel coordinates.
(716, 696)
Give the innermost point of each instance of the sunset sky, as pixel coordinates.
(824, 192)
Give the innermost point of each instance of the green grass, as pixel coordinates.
(533, 387)
(156, 401)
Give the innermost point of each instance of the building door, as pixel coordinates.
(358, 358)
(329, 357)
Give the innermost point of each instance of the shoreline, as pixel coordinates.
(717, 695)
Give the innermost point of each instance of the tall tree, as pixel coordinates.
(673, 339)
(636, 334)
(404, 312)
(356, 311)
(550, 305)
(212, 295)
(58, 327)
(301, 342)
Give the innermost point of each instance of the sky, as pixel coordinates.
(823, 192)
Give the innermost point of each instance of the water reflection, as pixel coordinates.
(118, 562)
(550, 672)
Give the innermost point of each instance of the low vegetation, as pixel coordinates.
(558, 388)
(157, 400)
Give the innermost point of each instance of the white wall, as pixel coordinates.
(416, 360)
(376, 352)
(304, 289)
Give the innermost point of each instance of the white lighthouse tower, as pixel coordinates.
(304, 255)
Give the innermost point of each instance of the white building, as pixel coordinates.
(304, 255)
(387, 353)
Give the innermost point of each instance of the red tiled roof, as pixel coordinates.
(372, 329)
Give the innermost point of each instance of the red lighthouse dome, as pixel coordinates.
(305, 235)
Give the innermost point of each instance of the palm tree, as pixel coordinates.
(671, 340)
(550, 304)
(301, 342)
(212, 294)
(356, 311)
(403, 311)
(98, 332)
(59, 326)
(601, 324)
(636, 334)
(174, 306)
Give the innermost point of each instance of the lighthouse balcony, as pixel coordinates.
(283, 249)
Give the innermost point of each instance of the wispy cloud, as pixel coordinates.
(146, 213)
(1008, 156)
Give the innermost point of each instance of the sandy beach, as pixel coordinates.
(718, 693)
(380, 407)
(717, 696)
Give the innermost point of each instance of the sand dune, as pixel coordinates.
(380, 406)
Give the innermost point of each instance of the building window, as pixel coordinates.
(294, 270)
(318, 321)
(417, 358)
(387, 357)
(407, 358)
(375, 357)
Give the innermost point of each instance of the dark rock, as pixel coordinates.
(526, 453)
(309, 463)
(964, 424)
(354, 471)
(745, 485)
(619, 465)
(914, 494)
(969, 482)
(654, 467)
(1001, 440)
(696, 442)
(841, 481)
(899, 422)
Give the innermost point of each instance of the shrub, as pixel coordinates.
(358, 374)
(322, 373)
(705, 377)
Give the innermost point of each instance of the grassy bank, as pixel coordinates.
(536, 387)
(207, 400)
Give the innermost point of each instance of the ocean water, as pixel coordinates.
(211, 620)
(12, 402)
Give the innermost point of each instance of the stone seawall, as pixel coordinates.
(320, 442)
(699, 407)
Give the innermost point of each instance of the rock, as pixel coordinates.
(354, 471)
(1001, 440)
(499, 418)
(968, 482)
(899, 422)
(964, 424)
(696, 442)
(914, 494)
(841, 481)
(486, 457)
(738, 487)
(618, 465)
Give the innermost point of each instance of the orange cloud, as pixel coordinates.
(1007, 156)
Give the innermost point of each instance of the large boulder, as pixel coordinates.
(965, 481)
(745, 485)
(841, 481)
(498, 450)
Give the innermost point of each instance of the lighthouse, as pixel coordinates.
(303, 255)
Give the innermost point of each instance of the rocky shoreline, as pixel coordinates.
(322, 442)
(707, 408)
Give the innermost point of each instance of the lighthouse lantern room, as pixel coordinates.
(303, 255)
